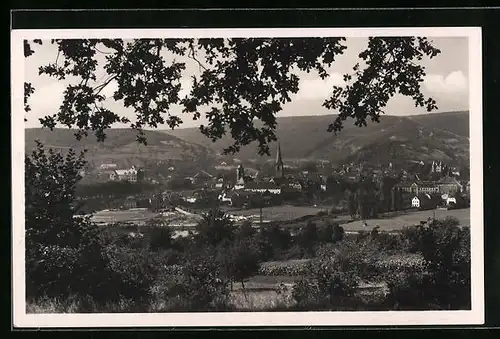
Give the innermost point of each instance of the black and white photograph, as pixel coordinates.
(247, 177)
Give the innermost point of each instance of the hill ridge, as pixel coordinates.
(337, 147)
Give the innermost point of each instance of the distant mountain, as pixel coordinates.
(120, 146)
(409, 140)
(454, 122)
(442, 136)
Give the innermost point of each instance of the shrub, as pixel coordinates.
(332, 279)
(133, 272)
(326, 233)
(196, 285)
(272, 240)
(309, 234)
(407, 290)
(168, 257)
(410, 238)
(390, 243)
(58, 271)
(307, 295)
(53, 274)
(160, 238)
(445, 282)
(64, 253)
(338, 233)
(294, 252)
(246, 230)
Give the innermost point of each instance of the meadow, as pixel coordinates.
(279, 213)
(409, 219)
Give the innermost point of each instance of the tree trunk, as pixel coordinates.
(244, 291)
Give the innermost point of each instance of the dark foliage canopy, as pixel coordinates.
(242, 81)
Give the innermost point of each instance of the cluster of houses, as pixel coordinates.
(245, 183)
(422, 193)
(415, 192)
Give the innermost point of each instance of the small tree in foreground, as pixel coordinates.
(238, 260)
(214, 227)
(63, 251)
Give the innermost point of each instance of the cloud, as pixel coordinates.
(314, 89)
(186, 86)
(47, 99)
(110, 89)
(454, 82)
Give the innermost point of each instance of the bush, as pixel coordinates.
(326, 233)
(294, 252)
(338, 233)
(60, 271)
(390, 243)
(445, 282)
(196, 285)
(160, 238)
(133, 272)
(332, 279)
(53, 273)
(272, 240)
(307, 295)
(308, 237)
(64, 253)
(410, 238)
(246, 230)
(407, 290)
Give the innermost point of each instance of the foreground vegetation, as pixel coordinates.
(244, 270)
(73, 266)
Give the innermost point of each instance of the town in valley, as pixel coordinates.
(243, 189)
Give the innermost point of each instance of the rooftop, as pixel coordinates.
(260, 185)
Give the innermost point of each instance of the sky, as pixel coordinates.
(446, 81)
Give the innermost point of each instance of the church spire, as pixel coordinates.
(279, 162)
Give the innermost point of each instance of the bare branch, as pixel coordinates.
(100, 87)
(58, 53)
(97, 49)
(191, 55)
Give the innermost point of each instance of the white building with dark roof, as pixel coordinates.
(262, 187)
(124, 174)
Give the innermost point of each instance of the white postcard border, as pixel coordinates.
(234, 319)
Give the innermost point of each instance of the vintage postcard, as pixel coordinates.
(247, 177)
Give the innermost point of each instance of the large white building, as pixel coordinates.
(124, 174)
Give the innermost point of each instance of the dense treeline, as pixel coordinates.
(112, 189)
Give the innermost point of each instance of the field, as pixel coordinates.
(409, 219)
(141, 215)
(133, 215)
(279, 213)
